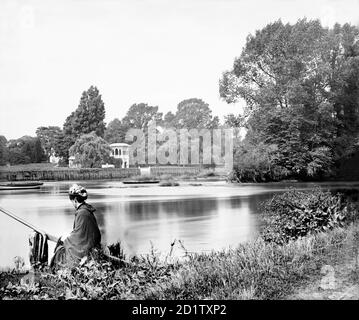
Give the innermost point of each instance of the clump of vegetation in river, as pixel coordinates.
(295, 214)
(206, 174)
(169, 183)
(142, 178)
(167, 180)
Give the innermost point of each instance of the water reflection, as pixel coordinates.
(208, 217)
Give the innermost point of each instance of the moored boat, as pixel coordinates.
(140, 182)
(19, 185)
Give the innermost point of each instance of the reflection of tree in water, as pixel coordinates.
(150, 210)
(162, 221)
(256, 202)
(53, 189)
(138, 211)
(97, 196)
(190, 207)
(236, 201)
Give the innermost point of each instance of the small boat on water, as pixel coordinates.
(20, 185)
(140, 182)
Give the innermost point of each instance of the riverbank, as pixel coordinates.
(61, 174)
(254, 270)
(48, 172)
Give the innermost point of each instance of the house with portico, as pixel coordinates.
(121, 151)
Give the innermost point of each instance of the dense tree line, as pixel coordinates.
(21, 151)
(85, 135)
(190, 114)
(301, 86)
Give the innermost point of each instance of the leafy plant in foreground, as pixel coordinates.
(295, 214)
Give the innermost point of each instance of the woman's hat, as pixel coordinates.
(77, 190)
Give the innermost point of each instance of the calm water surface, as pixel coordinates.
(209, 217)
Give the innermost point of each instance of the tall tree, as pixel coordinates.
(193, 113)
(343, 59)
(139, 115)
(3, 151)
(88, 117)
(49, 137)
(168, 120)
(115, 131)
(91, 151)
(295, 80)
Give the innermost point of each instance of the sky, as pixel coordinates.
(157, 52)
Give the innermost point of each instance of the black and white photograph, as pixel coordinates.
(190, 151)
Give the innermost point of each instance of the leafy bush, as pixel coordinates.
(206, 174)
(167, 180)
(96, 277)
(295, 214)
(116, 162)
(257, 163)
(90, 151)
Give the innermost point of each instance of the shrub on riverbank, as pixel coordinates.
(167, 180)
(295, 214)
(255, 175)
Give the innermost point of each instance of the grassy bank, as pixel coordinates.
(254, 270)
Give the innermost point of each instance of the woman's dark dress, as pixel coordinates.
(84, 237)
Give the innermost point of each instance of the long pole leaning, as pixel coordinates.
(29, 225)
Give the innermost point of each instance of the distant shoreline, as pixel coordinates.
(48, 172)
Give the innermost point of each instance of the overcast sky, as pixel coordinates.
(157, 52)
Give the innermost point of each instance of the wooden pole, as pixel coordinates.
(29, 225)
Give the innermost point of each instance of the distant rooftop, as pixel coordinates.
(119, 144)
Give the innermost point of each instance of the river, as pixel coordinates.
(210, 216)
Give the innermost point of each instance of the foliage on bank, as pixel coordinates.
(300, 84)
(254, 270)
(90, 151)
(295, 214)
(21, 151)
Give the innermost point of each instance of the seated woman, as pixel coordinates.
(84, 236)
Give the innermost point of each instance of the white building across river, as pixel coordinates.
(121, 151)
